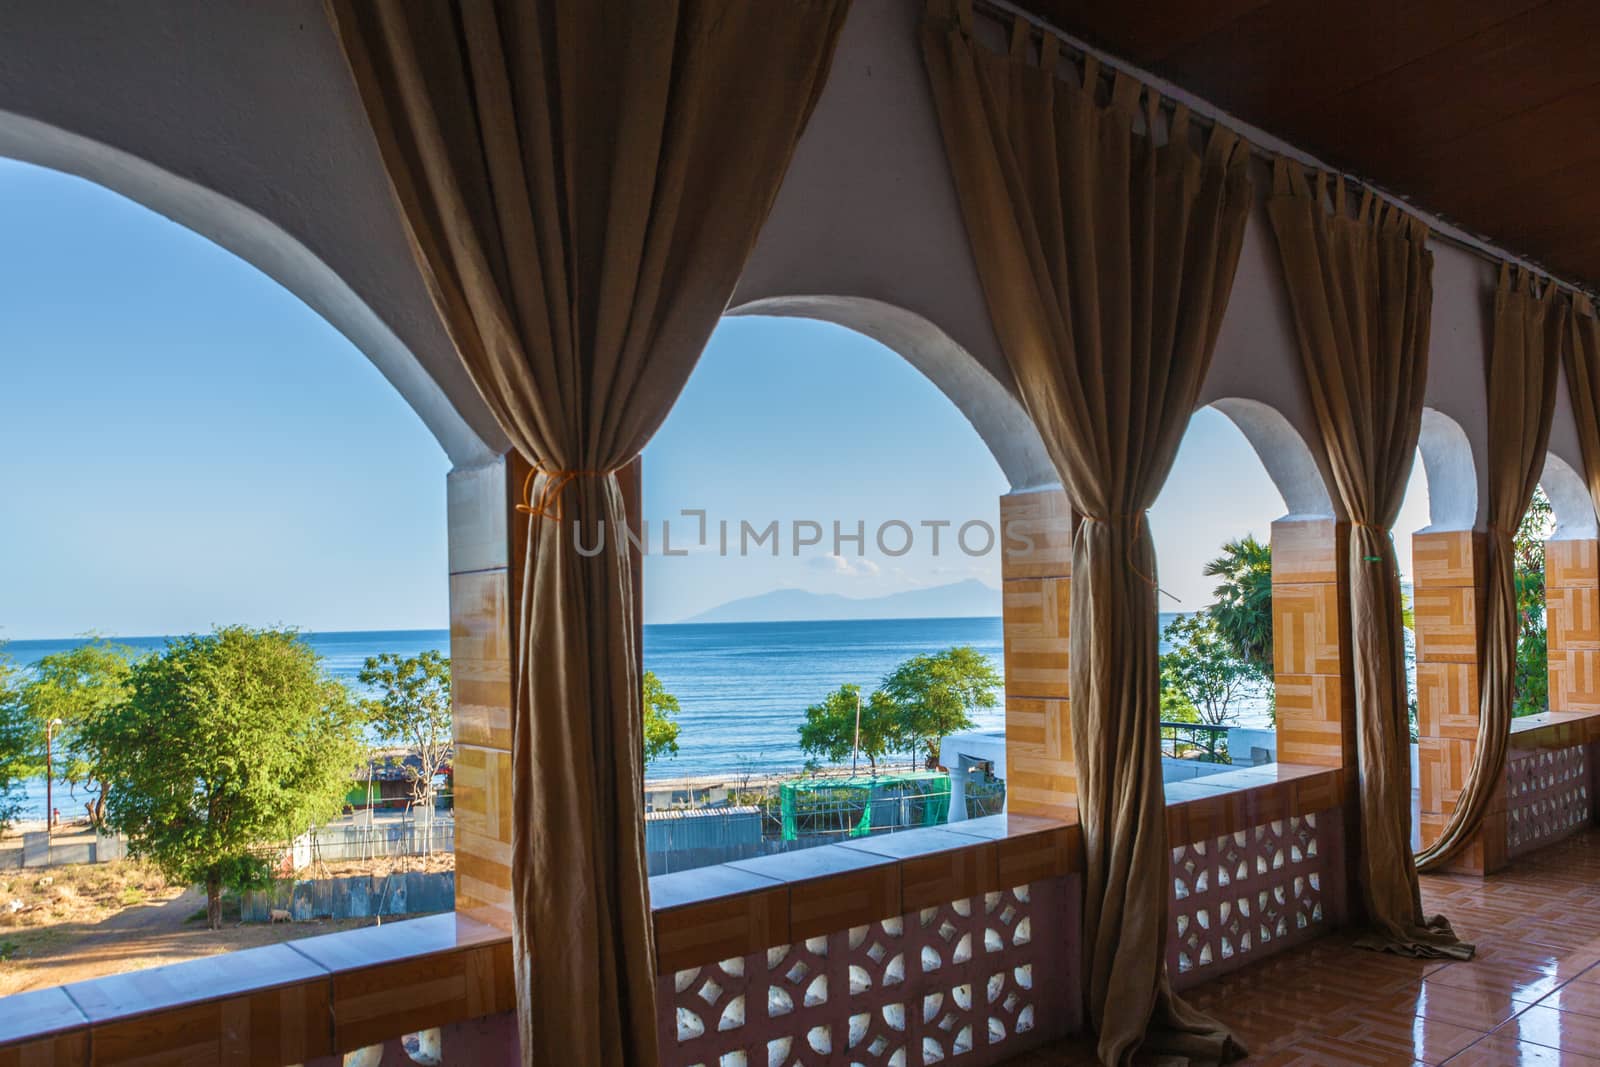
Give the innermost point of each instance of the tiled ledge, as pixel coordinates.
(1237, 800)
(734, 909)
(1555, 729)
(322, 995)
(278, 1004)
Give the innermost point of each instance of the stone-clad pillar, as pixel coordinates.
(1447, 601)
(1036, 580)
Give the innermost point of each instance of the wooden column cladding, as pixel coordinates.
(481, 611)
(1311, 664)
(1036, 582)
(1447, 601)
(1572, 602)
(488, 539)
(1311, 643)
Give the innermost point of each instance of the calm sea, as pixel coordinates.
(743, 687)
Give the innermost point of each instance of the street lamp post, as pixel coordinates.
(856, 748)
(49, 774)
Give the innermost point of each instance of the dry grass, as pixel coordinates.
(381, 865)
(81, 921)
(78, 893)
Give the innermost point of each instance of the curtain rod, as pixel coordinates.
(1204, 115)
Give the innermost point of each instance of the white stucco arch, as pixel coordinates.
(1452, 475)
(1569, 499)
(994, 412)
(1284, 453)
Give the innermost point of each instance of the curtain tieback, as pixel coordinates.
(1138, 518)
(1375, 528)
(548, 505)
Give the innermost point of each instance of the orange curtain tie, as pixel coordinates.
(548, 505)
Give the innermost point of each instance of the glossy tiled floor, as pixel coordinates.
(1532, 995)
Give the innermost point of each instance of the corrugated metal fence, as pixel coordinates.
(401, 893)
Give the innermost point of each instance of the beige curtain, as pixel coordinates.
(1524, 363)
(1582, 356)
(583, 180)
(1106, 260)
(1361, 289)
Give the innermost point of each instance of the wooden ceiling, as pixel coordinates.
(1486, 112)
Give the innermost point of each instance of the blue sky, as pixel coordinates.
(188, 444)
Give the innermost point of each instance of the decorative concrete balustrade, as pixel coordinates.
(927, 946)
(1548, 790)
(910, 948)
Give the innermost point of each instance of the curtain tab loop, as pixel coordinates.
(950, 15)
(1049, 53)
(1178, 130)
(1091, 75)
(1222, 145)
(1284, 173)
(1019, 39)
(1125, 93)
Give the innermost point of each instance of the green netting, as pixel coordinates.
(858, 806)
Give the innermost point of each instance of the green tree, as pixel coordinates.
(829, 729)
(1243, 607)
(73, 687)
(412, 707)
(660, 720)
(936, 694)
(16, 739)
(1531, 685)
(1175, 703)
(228, 741)
(1203, 668)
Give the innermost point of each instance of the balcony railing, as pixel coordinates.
(906, 947)
(1196, 741)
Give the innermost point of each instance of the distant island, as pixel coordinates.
(967, 599)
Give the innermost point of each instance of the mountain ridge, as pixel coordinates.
(969, 598)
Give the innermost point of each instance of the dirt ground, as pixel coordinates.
(65, 924)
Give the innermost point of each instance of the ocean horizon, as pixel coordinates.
(742, 687)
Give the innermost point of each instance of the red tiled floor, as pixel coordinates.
(1532, 995)
(1576, 996)
(1500, 1050)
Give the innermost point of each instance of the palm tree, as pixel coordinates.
(1243, 608)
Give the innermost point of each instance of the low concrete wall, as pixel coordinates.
(364, 896)
(1181, 770)
(38, 849)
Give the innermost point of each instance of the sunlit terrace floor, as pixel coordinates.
(1532, 995)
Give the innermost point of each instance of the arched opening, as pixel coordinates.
(834, 528)
(1561, 510)
(194, 447)
(1448, 477)
(1571, 507)
(437, 390)
(1433, 546)
(1241, 472)
(994, 412)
